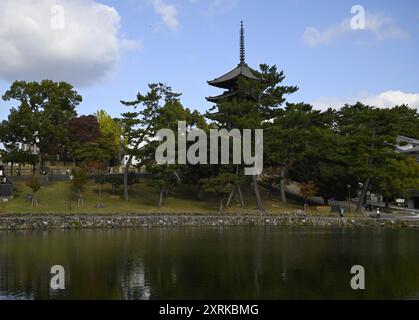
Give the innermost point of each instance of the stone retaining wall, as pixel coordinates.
(36, 222)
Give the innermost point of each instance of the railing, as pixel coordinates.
(28, 171)
(65, 177)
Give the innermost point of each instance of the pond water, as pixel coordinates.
(211, 263)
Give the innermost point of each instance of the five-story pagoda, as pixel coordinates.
(229, 81)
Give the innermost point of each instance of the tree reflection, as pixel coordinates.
(210, 263)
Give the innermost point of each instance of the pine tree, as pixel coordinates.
(140, 125)
(255, 103)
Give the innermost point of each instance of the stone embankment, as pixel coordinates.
(50, 222)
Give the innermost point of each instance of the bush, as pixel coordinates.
(79, 179)
(34, 182)
(117, 180)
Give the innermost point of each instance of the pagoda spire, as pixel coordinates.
(229, 81)
(242, 47)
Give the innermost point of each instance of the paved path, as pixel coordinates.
(402, 213)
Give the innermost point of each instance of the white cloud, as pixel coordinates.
(221, 6)
(71, 40)
(386, 99)
(380, 26)
(167, 12)
(392, 98)
(323, 103)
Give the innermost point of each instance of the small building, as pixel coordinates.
(6, 185)
(408, 146)
(413, 201)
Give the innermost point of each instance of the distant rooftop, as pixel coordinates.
(411, 145)
(407, 139)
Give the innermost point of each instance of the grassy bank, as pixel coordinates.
(55, 199)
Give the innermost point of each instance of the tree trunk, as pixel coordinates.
(200, 194)
(161, 193)
(38, 164)
(235, 188)
(240, 196)
(34, 201)
(282, 185)
(222, 205)
(259, 202)
(126, 170)
(363, 194)
(230, 196)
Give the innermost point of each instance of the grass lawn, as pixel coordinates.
(55, 199)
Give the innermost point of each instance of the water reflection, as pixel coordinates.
(210, 263)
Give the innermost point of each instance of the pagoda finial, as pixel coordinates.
(242, 48)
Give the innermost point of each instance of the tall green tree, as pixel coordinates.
(41, 116)
(370, 135)
(168, 116)
(141, 123)
(255, 103)
(400, 178)
(325, 162)
(355, 147)
(290, 137)
(405, 121)
(112, 130)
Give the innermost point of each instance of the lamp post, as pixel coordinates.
(349, 197)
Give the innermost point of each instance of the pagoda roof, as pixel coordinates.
(228, 80)
(226, 94)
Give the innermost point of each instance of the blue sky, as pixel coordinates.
(111, 49)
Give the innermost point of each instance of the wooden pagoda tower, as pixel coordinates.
(229, 81)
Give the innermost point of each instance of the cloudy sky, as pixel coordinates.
(110, 49)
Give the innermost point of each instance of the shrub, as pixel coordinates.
(79, 179)
(34, 182)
